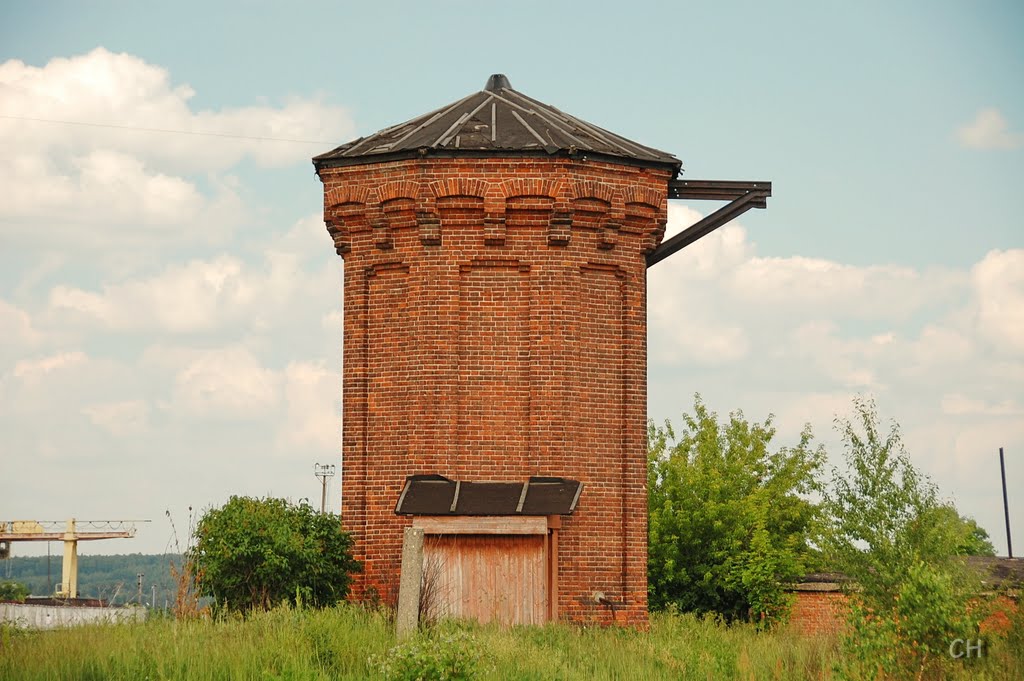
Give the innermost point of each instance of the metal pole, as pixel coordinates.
(1006, 505)
(322, 473)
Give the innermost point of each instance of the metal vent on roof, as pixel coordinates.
(438, 495)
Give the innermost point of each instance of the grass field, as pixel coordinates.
(348, 642)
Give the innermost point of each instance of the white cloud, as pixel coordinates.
(989, 130)
(47, 398)
(18, 330)
(95, 186)
(129, 417)
(999, 287)
(198, 295)
(333, 322)
(313, 408)
(845, 362)
(956, 404)
(299, 274)
(226, 382)
(794, 410)
(825, 286)
(35, 369)
(108, 89)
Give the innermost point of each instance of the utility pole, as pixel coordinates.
(1006, 505)
(322, 473)
(138, 578)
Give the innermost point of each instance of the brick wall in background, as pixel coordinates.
(818, 609)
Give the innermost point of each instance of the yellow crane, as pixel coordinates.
(49, 530)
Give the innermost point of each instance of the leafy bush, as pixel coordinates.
(441, 654)
(892, 535)
(255, 553)
(913, 637)
(13, 591)
(729, 518)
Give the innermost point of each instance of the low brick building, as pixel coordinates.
(821, 605)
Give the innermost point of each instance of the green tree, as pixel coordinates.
(729, 519)
(883, 515)
(889, 531)
(255, 553)
(970, 539)
(13, 591)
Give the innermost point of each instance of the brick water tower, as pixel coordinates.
(495, 352)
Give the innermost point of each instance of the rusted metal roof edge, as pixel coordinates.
(427, 152)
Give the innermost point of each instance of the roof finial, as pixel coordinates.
(497, 82)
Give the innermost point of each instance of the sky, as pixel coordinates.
(171, 304)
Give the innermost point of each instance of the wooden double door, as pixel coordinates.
(491, 569)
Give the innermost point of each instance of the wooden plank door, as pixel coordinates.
(486, 577)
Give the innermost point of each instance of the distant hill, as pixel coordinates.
(112, 578)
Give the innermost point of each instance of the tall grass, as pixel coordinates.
(284, 643)
(349, 642)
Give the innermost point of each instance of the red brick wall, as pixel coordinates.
(818, 612)
(824, 612)
(1000, 619)
(495, 328)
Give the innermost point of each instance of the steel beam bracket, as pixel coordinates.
(742, 196)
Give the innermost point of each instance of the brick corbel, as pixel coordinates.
(494, 228)
(494, 218)
(609, 234)
(340, 219)
(399, 215)
(652, 239)
(427, 219)
(560, 228)
(382, 236)
(429, 224)
(342, 242)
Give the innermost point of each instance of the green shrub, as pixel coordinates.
(441, 654)
(257, 553)
(912, 640)
(729, 518)
(13, 591)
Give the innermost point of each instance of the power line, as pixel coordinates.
(163, 130)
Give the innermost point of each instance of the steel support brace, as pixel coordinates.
(743, 195)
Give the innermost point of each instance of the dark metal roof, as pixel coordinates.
(997, 571)
(437, 495)
(993, 571)
(498, 120)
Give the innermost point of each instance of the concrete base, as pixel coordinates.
(56, 616)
